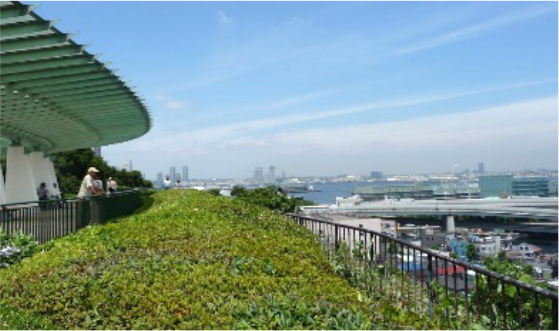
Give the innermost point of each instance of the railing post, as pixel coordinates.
(336, 231)
(94, 211)
(554, 312)
(429, 289)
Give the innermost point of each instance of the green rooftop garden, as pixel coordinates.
(191, 261)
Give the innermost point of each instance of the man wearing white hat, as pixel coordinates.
(88, 189)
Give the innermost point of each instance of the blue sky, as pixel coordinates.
(328, 88)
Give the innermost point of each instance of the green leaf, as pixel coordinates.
(511, 291)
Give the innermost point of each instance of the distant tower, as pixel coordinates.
(97, 151)
(377, 175)
(159, 179)
(185, 174)
(481, 168)
(258, 177)
(172, 175)
(283, 175)
(127, 166)
(178, 175)
(272, 174)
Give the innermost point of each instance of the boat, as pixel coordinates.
(298, 188)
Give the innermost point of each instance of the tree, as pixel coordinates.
(239, 191)
(471, 253)
(271, 197)
(71, 167)
(522, 273)
(502, 256)
(214, 191)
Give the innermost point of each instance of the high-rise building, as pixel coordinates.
(272, 174)
(185, 173)
(127, 166)
(377, 175)
(159, 179)
(283, 175)
(481, 168)
(172, 175)
(179, 177)
(258, 176)
(97, 151)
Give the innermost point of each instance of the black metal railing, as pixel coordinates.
(424, 279)
(49, 219)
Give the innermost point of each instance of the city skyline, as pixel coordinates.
(325, 88)
(259, 176)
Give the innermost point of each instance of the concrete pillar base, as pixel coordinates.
(20, 183)
(450, 224)
(40, 170)
(52, 176)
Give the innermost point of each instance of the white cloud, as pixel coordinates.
(505, 137)
(300, 99)
(274, 122)
(477, 29)
(206, 136)
(172, 103)
(224, 18)
(509, 123)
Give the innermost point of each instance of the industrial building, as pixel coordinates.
(509, 185)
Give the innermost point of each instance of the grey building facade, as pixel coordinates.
(507, 185)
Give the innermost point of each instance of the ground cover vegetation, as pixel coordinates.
(16, 319)
(192, 261)
(15, 247)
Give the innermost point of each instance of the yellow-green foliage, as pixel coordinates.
(190, 261)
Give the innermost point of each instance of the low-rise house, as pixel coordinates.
(523, 251)
(485, 246)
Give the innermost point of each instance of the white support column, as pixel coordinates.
(52, 176)
(40, 170)
(2, 190)
(450, 225)
(20, 184)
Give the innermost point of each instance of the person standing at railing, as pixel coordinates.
(167, 183)
(111, 185)
(88, 188)
(43, 194)
(99, 186)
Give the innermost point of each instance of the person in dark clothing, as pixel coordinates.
(43, 195)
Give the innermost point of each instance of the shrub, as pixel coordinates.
(11, 319)
(15, 247)
(271, 197)
(191, 261)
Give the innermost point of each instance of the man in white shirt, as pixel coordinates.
(88, 189)
(167, 183)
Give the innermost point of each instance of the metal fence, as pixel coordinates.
(417, 276)
(50, 219)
